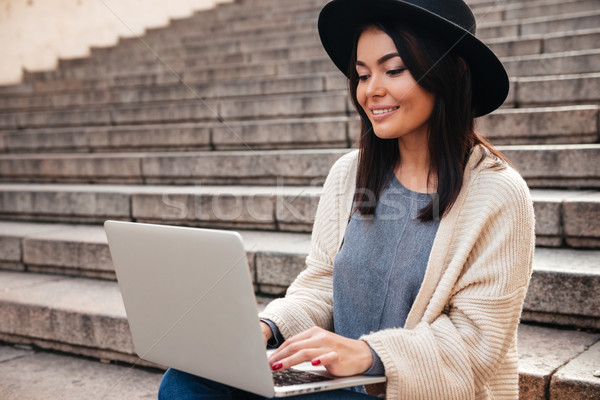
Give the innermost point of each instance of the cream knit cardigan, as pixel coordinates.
(459, 340)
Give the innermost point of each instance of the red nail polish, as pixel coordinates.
(316, 362)
(277, 366)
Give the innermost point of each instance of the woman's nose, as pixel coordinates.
(375, 86)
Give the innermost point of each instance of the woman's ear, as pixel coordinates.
(462, 66)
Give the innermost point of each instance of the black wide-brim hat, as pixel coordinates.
(452, 21)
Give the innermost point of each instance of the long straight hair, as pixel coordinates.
(451, 135)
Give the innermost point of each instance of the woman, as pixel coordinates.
(423, 240)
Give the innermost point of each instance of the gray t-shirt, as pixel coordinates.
(381, 264)
(380, 267)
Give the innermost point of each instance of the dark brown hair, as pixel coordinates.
(451, 135)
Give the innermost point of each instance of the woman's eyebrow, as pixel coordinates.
(381, 60)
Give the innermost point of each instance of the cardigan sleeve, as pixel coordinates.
(454, 351)
(309, 299)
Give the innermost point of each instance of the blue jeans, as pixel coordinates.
(179, 385)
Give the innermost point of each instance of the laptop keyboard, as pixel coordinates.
(289, 377)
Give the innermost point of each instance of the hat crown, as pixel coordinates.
(455, 11)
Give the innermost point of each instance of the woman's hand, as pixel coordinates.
(341, 356)
(266, 331)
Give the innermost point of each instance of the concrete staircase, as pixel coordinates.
(232, 119)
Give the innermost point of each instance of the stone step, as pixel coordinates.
(548, 125)
(561, 290)
(579, 39)
(497, 10)
(567, 217)
(190, 46)
(259, 207)
(486, 28)
(172, 46)
(552, 21)
(333, 103)
(563, 217)
(584, 39)
(574, 62)
(74, 315)
(254, 86)
(533, 91)
(548, 24)
(290, 167)
(548, 7)
(183, 47)
(556, 89)
(580, 61)
(241, 11)
(186, 58)
(489, 3)
(30, 76)
(524, 91)
(81, 316)
(17, 89)
(533, 45)
(553, 166)
(274, 258)
(267, 41)
(271, 16)
(227, 50)
(550, 166)
(555, 364)
(204, 21)
(539, 25)
(105, 83)
(35, 304)
(33, 374)
(544, 125)
(244, 135)
(534, 9)
(578, 379)
(301, 46)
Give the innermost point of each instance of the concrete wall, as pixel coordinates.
(35, 33)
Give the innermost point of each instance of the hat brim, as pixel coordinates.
(340, 19)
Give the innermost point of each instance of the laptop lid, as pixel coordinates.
(190, 304)
(173, 279)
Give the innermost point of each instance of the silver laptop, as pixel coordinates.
(190, 304)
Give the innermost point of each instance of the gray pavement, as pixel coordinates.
(38, 375)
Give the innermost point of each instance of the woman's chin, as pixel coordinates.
(385, 135)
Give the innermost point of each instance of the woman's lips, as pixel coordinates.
(380, 113)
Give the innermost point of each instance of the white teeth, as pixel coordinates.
(377, 112)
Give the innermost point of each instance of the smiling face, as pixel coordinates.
(387, 92)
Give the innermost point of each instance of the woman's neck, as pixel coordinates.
(414, 168)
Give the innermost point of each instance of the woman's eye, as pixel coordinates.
(398, 71)
(363, 78)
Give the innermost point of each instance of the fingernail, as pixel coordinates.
(316, 362)
(277, 366)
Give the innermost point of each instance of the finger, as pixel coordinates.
(295, 359)
(301, 336)
(288, 342)
(294, 340)
(326, 359)
(292, 348)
